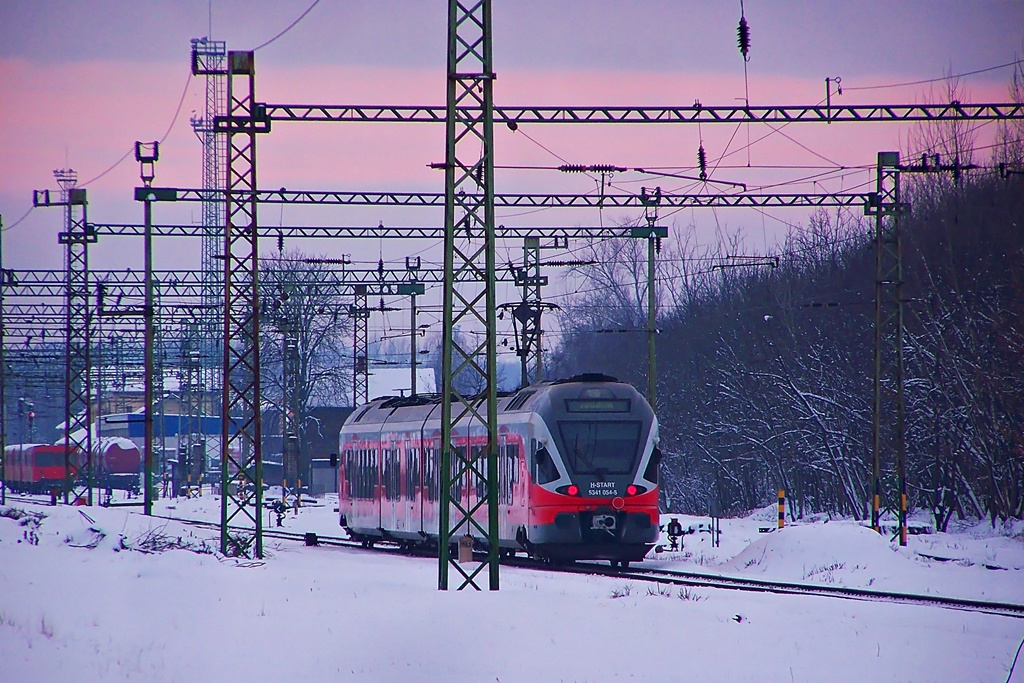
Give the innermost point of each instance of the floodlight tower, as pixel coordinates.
(209, 59)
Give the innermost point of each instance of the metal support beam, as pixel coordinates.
(698, 113)
(469, 430)
(376, 232)
(538, 200)
(241, 434)
(888, 445)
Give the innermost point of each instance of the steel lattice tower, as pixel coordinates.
(78, 320)
(888, 424)
(360, 314)
(469, 251)
(209, 59)
(241, 432)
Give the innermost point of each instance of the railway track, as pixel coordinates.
(664, 576)
(695, 579)
(699, 580)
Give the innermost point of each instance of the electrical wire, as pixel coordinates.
(935, 80)
(23, 217)
(1009, 675)
(131, 149)
(289, 27)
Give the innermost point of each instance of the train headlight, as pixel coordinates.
(573, 490)
(631, 490)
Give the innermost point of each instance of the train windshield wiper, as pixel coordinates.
(580, 455)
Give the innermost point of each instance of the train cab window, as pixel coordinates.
(46, 458)
(600, 448)
(651, 473)
(544, 469)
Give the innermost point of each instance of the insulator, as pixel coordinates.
(657, 245)
(280, 242)
(743, 35)
(572, 168)
(702, 162)
(380, 266)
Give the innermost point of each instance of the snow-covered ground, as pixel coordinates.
(93, 599)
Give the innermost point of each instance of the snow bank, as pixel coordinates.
(835, 553)
(86, 597)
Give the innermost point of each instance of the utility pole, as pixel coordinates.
(412, 288)
(526, 313)
(889, 421)
(653, 234)
(147, 154)
(889, 401)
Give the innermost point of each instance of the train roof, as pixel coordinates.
(420, 407)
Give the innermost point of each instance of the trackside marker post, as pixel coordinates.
(782, 508)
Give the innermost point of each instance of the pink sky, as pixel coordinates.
(83, 99)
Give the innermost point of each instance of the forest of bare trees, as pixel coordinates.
(765, 373)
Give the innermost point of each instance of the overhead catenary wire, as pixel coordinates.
(289, 27)
(935, 80)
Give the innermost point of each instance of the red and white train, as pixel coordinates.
(577, 480)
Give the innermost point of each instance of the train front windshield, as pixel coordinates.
(600, 448)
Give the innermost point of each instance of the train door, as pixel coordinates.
(431, 461)
(410, 486)
(391, 507)
(377, 490)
